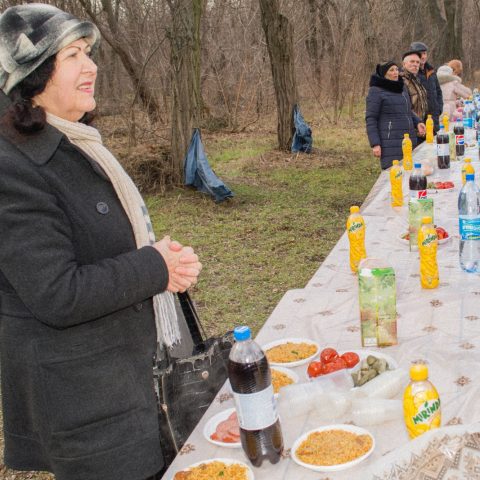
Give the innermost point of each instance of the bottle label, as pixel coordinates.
(256, 410)
(468, 122)
(469, 228)
(418, 194)
(355, 226)
(459, 139)
(426, 411)
(443, 149)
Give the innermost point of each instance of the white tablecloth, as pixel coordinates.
(440, 326)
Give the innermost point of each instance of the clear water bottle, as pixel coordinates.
(469, 225)
(468, 123)
(251, 382)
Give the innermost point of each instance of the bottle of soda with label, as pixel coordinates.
(443, 149)
(418, 182)
(251, 381)
(459, 132)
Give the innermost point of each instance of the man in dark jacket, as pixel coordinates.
(428, 78)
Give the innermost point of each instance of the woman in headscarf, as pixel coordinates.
(452, 89)
(85, 290)
(389, 114)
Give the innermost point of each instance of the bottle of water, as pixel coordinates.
(468, 121)
(469, 225)
(251, 381)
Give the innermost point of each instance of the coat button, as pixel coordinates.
(102, 208)
(138, 306)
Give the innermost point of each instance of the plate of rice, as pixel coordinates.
(281, 377)
(333, 448)
(290, 352)
(225, 468)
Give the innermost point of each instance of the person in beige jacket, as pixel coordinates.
(452, 88)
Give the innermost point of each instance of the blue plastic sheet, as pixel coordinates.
(199, 174)
(302, 138)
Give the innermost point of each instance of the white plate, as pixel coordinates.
(226, 461)
(291, 340)
(438, 190)
(211, 426)
(392, 364)
(288, 373)
(407, 242)
(332, 468)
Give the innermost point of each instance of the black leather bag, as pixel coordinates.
(187, 386)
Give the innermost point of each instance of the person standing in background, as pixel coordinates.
(452, 89)
(428, 78)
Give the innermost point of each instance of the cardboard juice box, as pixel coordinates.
(417, 208)
(378, 305)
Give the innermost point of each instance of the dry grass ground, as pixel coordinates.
(287, 213)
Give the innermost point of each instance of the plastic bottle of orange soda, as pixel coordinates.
(421, 403)
(445, 122)
(429, 126)
(356, 236)
(427, 247)
(396, 175)
(407, 152)
(467, 169)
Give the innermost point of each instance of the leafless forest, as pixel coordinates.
(169, 65)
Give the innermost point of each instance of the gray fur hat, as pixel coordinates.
(31, 33)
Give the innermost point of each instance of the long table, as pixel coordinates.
(440, 326)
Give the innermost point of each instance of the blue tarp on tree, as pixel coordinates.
(198, 172)
(302, 138)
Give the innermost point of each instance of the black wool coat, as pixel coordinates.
(77, 329)
(388, 117)
(428, 78)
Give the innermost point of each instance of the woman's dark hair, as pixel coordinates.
(23, 115)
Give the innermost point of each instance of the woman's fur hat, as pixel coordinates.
(31, 33)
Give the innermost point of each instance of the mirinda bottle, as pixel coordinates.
(427, 247)
(407, 152)
(445, 122)
(467, 169)
(396, 175)
(421, 403)
(429, 126)
(356, 236)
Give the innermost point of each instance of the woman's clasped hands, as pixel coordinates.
(182, 263)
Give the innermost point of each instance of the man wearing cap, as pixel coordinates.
(418, 94)
(428, 78)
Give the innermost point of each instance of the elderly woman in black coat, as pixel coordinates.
(85, 290)
(389, 114)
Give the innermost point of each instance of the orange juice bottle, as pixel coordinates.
(407, 152)
(446, 123)
(421, 402)
(467, 169)
(429, 125)
(356, 236)
(396, 175)
(427, 246)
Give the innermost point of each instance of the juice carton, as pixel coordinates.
(417, 209)
(377, 300)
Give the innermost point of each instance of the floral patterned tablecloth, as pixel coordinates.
(441, 327)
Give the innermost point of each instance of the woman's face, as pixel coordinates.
(69, 93)
(392, 73)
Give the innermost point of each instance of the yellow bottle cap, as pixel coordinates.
(468, 160)
(429, 116)
(406, 135)
(354, 209)
(396, 162)
(419, 372)
(426, 220)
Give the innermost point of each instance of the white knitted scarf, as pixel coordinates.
(88, 140)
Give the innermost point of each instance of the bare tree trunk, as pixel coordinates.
(130, 58)
(185, 63)
(311, 42)
(453, 40)
(279, 37)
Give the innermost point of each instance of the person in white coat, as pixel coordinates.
(452, 89)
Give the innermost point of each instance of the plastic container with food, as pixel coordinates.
(428, 166)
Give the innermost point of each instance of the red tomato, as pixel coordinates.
(328, 354)
(315, 369)
(336, 364)
(439, 185)
(350, 358)
(441, 233)
(448, 184)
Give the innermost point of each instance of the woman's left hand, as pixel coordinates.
(421, 129)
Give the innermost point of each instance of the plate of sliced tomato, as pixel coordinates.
(442, 235)
(438, 186)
